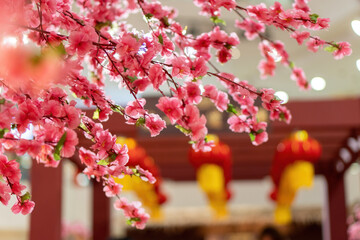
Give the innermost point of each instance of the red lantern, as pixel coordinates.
(299, 146)
(291, 170)
(219, 155)
(139, 157)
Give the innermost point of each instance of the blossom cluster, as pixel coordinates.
(354, 224)
(76, 45)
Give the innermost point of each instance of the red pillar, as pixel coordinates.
(335, 227)
(101, 213)
(46, 191)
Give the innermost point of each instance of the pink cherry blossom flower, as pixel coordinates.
(210, 91)
(180, 67)
(10, 169)
(301, 5)
(135, 108)
(280, 49)
(267, 68)
(122, 157)
(238, 124)
(167, 46)
(112, 188)
(298, 76)
(281, 113)
(314, 44)
(260, 138)
(342, 51)
(259, 12)
(133, 212)
(251, 28)
(156, 75)
(224, 55)
(198, 67)
(5, 192)
(300, 37)
(17, 188)
(192, 113)
(27, 112)
(155, 124)
(87, 157)
(145, 175)
(228, 4)
(171, 107)
(222, 101)
(128, 44)
(202, 145)
(72, 114)
(259, 131)
(269, 100)
(193, 92)
(354, 231)
(53, 108)
(70, 143)
(198, 129)
(81, 41)
(202, 42)
(155, 9)
(322, 23)
(25, 207)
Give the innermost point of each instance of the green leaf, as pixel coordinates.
(132, 79)
(100, 25)
(231, 109)
(113, 156)
(161, 40)
(60, 49)
(135, 36)
(182, 129)
(135, 172)
(103, 162)
(2, 100)
(228, 46)
(130, 221)
(25, 197)
(291, 65)
(96, 114)
(165, 21)
(3, 131)
(252, 136)
(148, 15)
(313, 17)
(59, 146)
(117, 108)
(331, 48)
(282, 116)
(83, 127)
(217, 20)
(192, 142)
(260, 131)
(140, 122)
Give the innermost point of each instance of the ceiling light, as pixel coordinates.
(318, 83)
(284, 97)
(355, 24)
(358, 64)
